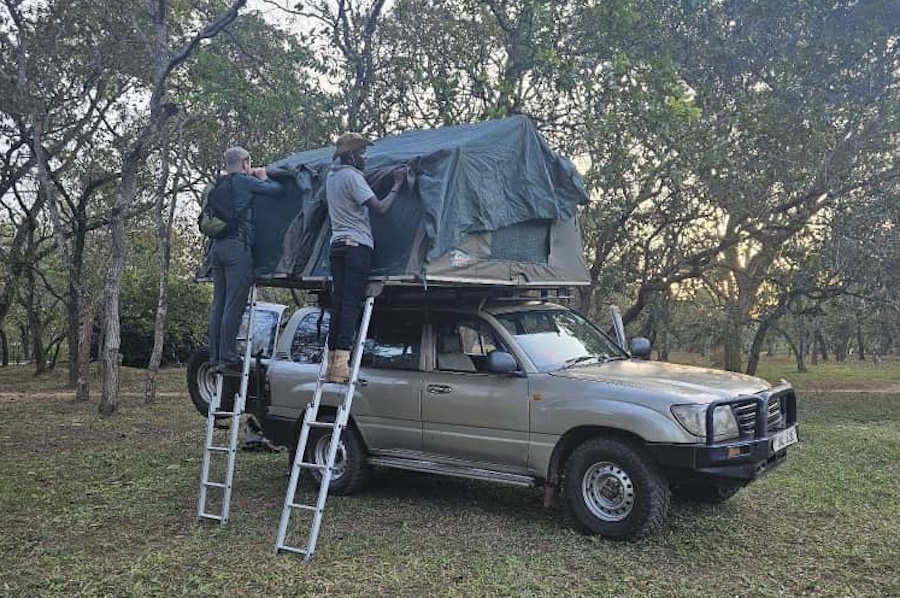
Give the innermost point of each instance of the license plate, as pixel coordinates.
(784, 439)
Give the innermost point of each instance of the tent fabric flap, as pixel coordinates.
(487, 203)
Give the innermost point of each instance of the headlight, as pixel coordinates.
(693, 418)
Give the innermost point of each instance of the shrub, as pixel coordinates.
(186, 323)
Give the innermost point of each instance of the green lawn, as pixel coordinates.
(93, 506)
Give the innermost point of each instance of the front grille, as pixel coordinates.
(746, 413)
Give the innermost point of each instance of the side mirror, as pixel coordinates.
(501, 362)
(640, 348)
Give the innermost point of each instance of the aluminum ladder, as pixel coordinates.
(316, 510)
(204, 508)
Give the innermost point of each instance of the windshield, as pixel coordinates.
(556, 338)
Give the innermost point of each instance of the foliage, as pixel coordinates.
(185, 327)
(256, 86)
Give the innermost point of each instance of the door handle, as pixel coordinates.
(439, 389)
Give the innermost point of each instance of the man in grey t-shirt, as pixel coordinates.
(350, 199)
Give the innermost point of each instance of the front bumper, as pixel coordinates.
(738, 460)
(761, 417)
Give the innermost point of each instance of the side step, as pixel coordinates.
(458, 471)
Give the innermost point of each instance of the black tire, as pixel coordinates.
(614, 489)
(201, 380)
(352, 472)
(704, 492)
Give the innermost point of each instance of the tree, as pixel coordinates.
(164, 61)
(62, 94)
(755, 72)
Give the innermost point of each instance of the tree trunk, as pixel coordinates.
(35, 324)
(662, 350)
(86, 334)
(820, 341)
(802, 345)
(814, 349)
(110, 357)
(163, 230)
(759, 340)
(860, 340)
(25, 341)
(4, 347)
(584, 297)
(731, 344)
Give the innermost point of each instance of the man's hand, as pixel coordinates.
(400, 176)
(260, 173)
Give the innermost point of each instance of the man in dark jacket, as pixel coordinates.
(232, 259)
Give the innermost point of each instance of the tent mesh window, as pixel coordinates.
(523, 242)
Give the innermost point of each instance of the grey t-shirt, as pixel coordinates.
(347, 191)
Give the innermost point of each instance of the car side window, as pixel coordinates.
(265, 327)
(463, 343)
(309, 338)
(394, 341)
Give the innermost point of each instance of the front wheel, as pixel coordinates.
(614, 489)
(351, 471)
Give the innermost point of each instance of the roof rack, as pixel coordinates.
(420, 285)
(394, 294)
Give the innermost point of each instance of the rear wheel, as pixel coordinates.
(201, 380)
(351, 471)
(614, 489)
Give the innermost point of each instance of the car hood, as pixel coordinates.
(692, 384)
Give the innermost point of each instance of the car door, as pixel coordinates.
(386, 403)
(468, 413)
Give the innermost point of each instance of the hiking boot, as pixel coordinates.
(338, 368)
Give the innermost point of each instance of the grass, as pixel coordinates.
(93, 506)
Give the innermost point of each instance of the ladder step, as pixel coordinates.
(211, 516)
(218, 449)
(317, 466)
(229, 413)
(214, 484)
(303, 506)
(292, 549)
(321, 424)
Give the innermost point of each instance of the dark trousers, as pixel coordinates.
(232, 270)
(350, 273)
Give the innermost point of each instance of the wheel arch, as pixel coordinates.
(564, 447)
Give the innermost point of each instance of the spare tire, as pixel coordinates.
(201, 380)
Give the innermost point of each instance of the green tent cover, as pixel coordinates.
(487, 203)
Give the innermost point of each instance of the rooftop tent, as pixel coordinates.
(485, 203)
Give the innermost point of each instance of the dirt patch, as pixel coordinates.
(18, 397)
(873, 388)
(889, 390)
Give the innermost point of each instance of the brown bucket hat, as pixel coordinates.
(349, 142)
